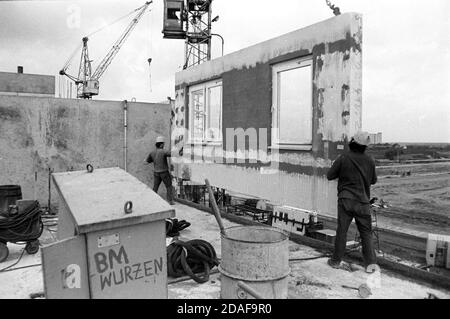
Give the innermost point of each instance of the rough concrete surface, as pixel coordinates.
(308, 279)
(38, 134)
(20, 83)
(335, 49)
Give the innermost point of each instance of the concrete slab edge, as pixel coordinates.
(415, 274)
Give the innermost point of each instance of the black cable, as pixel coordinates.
(191, 258)
(173, 226)
(15, 263)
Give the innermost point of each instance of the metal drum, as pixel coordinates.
(9, 194)
(256, 257)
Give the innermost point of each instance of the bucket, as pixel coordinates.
(258, 257)
(9, 194)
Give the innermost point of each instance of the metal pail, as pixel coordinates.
(258, 257)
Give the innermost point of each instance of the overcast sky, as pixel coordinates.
(406, 58)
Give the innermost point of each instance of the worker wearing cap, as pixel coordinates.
(355, 172)
(161, 169)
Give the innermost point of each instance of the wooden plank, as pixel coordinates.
(96, 200)
(65, 271)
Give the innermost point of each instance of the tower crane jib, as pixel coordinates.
(88, 81)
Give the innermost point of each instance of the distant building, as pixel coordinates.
(376, 138)
(21, 84)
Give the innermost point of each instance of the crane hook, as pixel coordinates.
(335, 9)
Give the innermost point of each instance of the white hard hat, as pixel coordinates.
(160, 139)
(361, 138)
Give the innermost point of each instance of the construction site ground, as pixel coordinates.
(417, 204)
(312, 279)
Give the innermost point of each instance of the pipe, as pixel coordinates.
(50, 190)
(125, 129)
(215, 208)
(35, 182)
(249, 290)
(186, 278)
(221, 38)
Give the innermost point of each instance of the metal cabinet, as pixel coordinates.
(111, 238)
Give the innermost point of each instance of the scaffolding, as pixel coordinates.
(198, 35)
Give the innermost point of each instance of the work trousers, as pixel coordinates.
(166, 178)
(347, 210)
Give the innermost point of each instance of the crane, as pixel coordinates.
(87, 82)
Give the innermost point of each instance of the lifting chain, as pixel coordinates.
(335, 9)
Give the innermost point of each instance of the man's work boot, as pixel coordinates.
(334, 264)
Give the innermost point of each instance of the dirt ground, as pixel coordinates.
(417, 202)
(414, 169)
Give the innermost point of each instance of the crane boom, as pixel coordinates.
(88, 82)
(118, 44)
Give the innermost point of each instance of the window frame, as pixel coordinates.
(276, 69)
(205, 87)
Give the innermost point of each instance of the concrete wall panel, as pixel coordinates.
(38, 134)
(19, 83)
(335, 47)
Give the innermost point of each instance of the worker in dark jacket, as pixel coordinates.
(161, 168)
(355, 172)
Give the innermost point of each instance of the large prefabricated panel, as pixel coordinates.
(288, 108)
(38, 134)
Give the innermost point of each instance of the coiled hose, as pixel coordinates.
(23, 227)
(191, 258)
(173, 226)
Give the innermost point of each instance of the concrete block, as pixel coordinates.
(326, 235)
